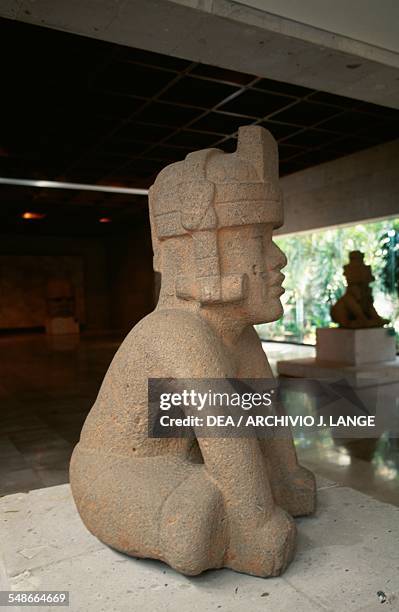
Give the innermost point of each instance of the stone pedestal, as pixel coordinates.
(363, 357)
(62, 326)
(348, 553)
(366, 375)
(354, 346)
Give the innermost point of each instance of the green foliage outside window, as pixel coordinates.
(314, 276)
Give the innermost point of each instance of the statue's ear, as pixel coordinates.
(197, 205)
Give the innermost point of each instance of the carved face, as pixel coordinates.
(250, 250)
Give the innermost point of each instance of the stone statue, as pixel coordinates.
(61, 307)
(355, 309)
(208, 502)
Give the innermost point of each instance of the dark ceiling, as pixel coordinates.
(81, 110)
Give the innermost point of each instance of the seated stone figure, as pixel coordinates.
(61, 307)
(207, 503)
(355, 309)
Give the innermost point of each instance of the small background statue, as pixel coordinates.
(61, 307)
(355, 309)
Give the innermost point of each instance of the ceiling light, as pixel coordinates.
(105, 220)
(32, 215)
(77, 186)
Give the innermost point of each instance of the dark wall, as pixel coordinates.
(132, 277)
(92, 252)
(117, 270)
(24, 287)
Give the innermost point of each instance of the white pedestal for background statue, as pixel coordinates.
(364, 357)
(355, 346)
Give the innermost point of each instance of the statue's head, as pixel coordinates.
(356, 271)
(356, 257)
(212, 221)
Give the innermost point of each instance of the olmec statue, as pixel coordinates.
(355, 309)
(60, 297)
(61, 307)
(207, 503)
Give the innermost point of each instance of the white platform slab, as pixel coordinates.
(365, 375)
(355, 346)
(346, 554)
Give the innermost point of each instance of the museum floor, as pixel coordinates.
(46, 390)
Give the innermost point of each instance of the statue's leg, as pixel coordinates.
(193, 526)
(157, 507)
(293, 486)
(261, 535)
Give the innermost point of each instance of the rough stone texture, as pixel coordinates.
(347, 553)
(355, 309)
(355, 346)
(218, 502)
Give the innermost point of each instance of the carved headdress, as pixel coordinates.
(211, 190)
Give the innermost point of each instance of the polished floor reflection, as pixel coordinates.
(47, 388)
(368, 465)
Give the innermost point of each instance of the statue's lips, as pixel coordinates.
(277, 291)
(275, 283)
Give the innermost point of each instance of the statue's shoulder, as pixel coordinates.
(175, 325)
(179, 340)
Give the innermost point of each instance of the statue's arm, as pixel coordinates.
(235, 465)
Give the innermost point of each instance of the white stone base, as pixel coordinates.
(60, 326)
(355, 346)
(346, 553)
(384, 373)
